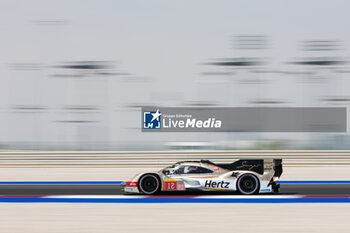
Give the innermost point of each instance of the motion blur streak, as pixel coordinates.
(76, 78)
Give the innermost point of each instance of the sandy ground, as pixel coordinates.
(100, 218)
(116, 174)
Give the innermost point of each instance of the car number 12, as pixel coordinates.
(169, 185)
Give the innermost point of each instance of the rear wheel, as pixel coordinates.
(149, 184)
(248, 184)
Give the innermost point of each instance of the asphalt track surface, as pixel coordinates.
(115, 189)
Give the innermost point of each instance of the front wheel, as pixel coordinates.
(248, 184)
(149, 184)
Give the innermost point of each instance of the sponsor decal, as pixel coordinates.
(129, 189)
(248, 166)
(216, 168)
(215, 184)
(265, 190)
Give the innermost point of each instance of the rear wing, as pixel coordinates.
(277, 166)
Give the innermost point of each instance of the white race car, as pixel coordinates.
(247, 176)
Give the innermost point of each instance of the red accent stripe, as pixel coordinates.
(184, 196)
(327, 196)
(131, 184)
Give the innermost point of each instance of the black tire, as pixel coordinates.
(248, 184)
(149, 184)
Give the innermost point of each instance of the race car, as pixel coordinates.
(247, 176)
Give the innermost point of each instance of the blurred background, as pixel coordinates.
(74, 74)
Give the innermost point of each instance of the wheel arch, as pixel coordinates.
(241, 174)
(150, 173)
